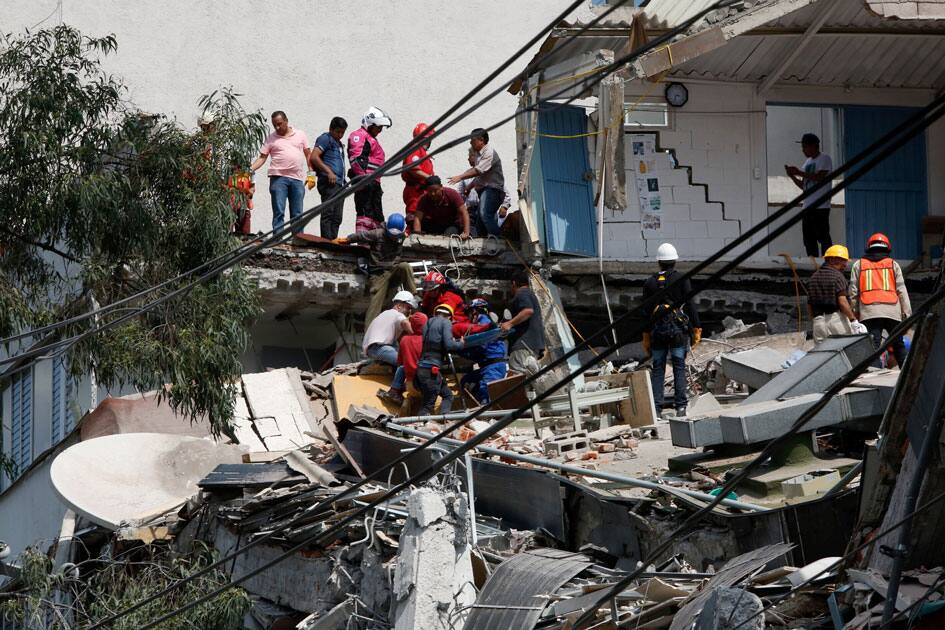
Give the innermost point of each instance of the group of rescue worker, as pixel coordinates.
(419, 338)
(873, 299)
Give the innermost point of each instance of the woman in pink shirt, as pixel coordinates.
(289, 151)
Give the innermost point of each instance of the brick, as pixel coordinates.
(723, 228)
(706, 211)
(691, 229)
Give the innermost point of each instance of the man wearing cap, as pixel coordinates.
(878, 294)
(827, 293)
(441, 211)
(815, 224)
(438, 342)
(386, 273)
(381, 336)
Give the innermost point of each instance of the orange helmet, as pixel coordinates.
(433, 279)
(422, 129)
(878, 241)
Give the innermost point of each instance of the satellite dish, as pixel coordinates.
(131, 477)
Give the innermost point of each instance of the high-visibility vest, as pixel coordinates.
(878, 282)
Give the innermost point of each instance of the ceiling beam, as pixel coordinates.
(822, 16)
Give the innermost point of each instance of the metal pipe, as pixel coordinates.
(495, 413)
(901, 551)
(577, 470)
(845, 480)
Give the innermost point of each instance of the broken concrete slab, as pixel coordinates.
(817, 370)
(755, 367)
(280, 408)
(433, 578)
(704, 404)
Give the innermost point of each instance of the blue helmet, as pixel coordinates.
(396, 224)
(478, 303)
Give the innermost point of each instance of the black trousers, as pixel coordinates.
(876, 326)
(330, 219)
(815, 227)
(368, 201)
(432, 385)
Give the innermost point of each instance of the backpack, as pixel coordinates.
(668, 325)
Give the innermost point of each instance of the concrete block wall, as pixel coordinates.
(706, 172)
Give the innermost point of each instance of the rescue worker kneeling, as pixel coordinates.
(491, 359)
(438, 342)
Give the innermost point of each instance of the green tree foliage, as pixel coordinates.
(78, 596)
(101, 200)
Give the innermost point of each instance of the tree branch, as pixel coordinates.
(44, 246)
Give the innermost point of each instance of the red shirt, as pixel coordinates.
(409, 354)
(412, 191)
(441, 213)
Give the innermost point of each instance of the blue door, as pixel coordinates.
(570, 224)
(892, 198)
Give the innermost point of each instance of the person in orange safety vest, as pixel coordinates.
(878, 294)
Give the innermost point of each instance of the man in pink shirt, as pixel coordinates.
(289, 151)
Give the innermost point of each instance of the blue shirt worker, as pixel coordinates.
(491, 359)
(327, 159)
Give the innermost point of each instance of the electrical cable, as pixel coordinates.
(847, 556)
(878, 144)
(488, 433)
(351, 189)
(641, 50)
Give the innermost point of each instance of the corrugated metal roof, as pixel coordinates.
(853, 48)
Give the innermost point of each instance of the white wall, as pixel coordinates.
(314, 59)
(721, 133)
(31, 511)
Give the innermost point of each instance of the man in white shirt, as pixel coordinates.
(815, 224)
(380, 338)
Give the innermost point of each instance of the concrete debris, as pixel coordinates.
(433, 578)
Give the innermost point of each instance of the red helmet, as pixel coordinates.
(422, 129)
(433, 279)
(878, 241)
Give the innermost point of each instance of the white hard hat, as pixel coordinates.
(206, 118)
(376, 116)
(666, 253)
(408, 297)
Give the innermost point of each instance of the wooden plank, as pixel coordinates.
(511, 382)
(639, 409)
(679, 52)
(343, 452)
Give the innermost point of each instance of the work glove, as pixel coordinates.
(646, 342)
(340, 241)
(858, 328)
(310, 180)
(696, 336)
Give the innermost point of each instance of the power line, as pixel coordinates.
(878, 144)
(641, 50)
(453, 455)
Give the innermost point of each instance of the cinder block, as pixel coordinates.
(691, 229)
(689, 194)
(667, 230)
(676, 212)
(706, 211)
(575, 441)
(722, 229)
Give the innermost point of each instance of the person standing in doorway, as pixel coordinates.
(289, 151)
(674, 324)
(328, 161)
(815, 224)
(490, 181)
(366, 155)
(878, 295)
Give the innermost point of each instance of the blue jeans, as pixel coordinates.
(283, 188)
(400, 379)
(490, 199)
(383, 353)
(658, 375)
